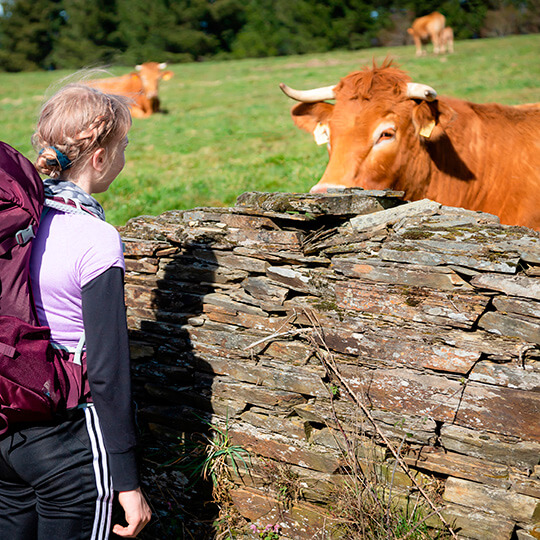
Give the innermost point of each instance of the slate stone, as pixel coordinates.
(461, 309)
(264, 289)
(466, 254)
(520, 286)
(477, 525)
(514, 375)
(282, 449)
(418, 276)
(517, 306)
(393, 215)
(514, 327)
(511, 451)
(503, 502)
(336, 204)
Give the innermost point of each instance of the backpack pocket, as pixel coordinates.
(31, 387)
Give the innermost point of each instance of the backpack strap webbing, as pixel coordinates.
(69, 206)
(18, 239)
(77, 359)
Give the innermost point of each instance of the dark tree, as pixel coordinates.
(164, 30)
(28, 29)
(88, 35)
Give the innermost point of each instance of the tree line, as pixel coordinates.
(71, 34)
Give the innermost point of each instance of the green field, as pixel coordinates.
(228, 128)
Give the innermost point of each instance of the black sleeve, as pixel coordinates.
(107, 357)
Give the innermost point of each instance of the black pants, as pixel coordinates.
(54, 481)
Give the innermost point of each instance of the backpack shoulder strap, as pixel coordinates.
(69, 206)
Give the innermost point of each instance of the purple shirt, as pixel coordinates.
(69, 251)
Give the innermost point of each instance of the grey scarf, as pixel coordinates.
(68, 191)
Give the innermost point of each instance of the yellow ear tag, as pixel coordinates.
(427, 130)
(321, 134)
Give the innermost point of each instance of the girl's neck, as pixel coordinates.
(80, 181)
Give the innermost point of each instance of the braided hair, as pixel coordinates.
(75, 122)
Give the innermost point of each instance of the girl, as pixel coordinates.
(57, 478)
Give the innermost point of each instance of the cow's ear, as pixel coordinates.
(167, 75)
(308, 115)
(430, 118)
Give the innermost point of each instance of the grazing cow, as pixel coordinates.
(141, 86)
(447, 37)
(386, 132)
(427, 28)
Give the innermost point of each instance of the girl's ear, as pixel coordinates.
(98, 159)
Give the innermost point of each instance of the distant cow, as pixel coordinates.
(385, 132)
(141, 86)
(424, 29)
(447, 38)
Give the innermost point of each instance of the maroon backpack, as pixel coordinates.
(32, 385)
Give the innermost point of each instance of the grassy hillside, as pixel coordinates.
(228, 128)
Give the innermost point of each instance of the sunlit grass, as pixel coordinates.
(228, 128)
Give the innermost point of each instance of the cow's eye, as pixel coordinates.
(386, 135)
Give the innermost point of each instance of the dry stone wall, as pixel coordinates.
(304, 326)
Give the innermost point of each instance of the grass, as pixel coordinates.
(228, 128)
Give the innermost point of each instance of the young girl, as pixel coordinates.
(57, 479)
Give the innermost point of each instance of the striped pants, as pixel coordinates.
(54, 481)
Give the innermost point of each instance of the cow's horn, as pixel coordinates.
(163, 65)
(309, 96)
(420, 91)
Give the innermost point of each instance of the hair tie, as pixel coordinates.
(61, 159)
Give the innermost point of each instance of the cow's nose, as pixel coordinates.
(319, 188)
(323, 188)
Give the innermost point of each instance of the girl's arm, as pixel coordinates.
(108, 364)
(107, 353)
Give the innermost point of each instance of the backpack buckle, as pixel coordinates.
(24, 235)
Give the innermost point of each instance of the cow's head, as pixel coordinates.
(378, 121)
(150, 74)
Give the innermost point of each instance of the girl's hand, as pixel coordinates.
(137, 513)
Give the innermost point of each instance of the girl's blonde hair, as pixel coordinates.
(75, 122)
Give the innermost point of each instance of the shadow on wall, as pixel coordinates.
(172, 384)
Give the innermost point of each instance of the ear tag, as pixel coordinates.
(321, 134)
(427, 130)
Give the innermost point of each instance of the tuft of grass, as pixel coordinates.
(212, 456)
(228, 130)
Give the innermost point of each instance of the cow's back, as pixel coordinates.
(500, 147)
(429, 24)
(125, 85)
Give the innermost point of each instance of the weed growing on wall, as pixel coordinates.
(220, 456)
(270, 532)
(283, 480)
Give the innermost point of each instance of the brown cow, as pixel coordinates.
(385, 132)
(141, 86)
(447, 38)
(427, 28)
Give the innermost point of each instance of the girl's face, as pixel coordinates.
(112, 170)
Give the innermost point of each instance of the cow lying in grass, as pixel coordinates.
(140, 86)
